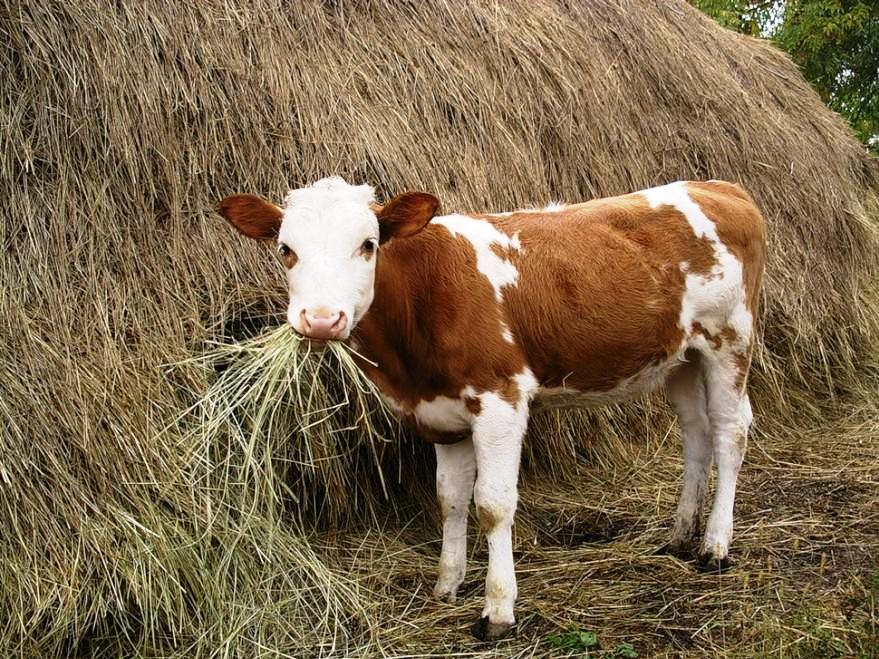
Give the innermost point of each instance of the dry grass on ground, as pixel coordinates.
(805, 583)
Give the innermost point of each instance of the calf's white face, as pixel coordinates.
(328, 236)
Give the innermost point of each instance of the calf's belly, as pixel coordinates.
(447, 420)
(648, 379)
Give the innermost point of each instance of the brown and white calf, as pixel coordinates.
(470, 318)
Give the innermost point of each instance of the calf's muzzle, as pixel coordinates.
(321, 323)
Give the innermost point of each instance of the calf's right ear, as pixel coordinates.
(252, 216)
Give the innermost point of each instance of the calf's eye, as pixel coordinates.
(368, 247)
(288, 256)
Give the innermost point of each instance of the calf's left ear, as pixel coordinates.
(405, 215)
(252, 216)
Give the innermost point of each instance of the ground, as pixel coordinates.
(805, 581)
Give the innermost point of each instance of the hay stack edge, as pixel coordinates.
(124, 531)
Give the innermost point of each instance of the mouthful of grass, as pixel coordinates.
(280, 407)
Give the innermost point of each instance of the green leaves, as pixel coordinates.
(573, 640)
(745, 16)
(834, 42)
(582, 642)
(624, 651)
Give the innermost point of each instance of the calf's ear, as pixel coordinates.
(405, 215)
(252, 216)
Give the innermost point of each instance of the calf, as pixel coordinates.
(471, 318)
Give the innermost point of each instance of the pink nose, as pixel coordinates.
(322, 323)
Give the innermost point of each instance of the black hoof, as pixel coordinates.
(682, 552)
(707, 563)
(485, 630)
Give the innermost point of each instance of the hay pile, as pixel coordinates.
(122, 534)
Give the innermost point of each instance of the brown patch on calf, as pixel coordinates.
(726, 336)
(741, 439)
(509, 392)
(729, 335)
(500, 251)
(703, 259)
(434, 326)
(743, 365)
(715, 340)
(598, 298)
(600, 288)
(473, 405)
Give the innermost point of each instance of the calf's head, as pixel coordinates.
(328, 236)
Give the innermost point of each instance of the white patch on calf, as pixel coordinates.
(527, 384)
(445, 414)
(552, 207)
(715, 300)
(395, 405)
(515, 243)
(482, 235)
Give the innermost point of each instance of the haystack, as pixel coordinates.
(123, 124)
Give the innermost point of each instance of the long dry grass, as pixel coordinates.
(125, 533)
(301, 416)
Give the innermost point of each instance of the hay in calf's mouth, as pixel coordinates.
(301, 405)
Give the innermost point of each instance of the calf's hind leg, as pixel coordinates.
(686, 393)
(730, 413)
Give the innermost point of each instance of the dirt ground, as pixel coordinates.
(805, 581)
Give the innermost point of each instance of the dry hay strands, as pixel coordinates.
(178, 546)
(292, 423)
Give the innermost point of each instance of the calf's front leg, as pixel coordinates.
(497, 441)
(455, 473)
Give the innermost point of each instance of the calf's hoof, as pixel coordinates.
(445, 594)
(485, 630)
(447, 586)
(708, 563)
(684, 551)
